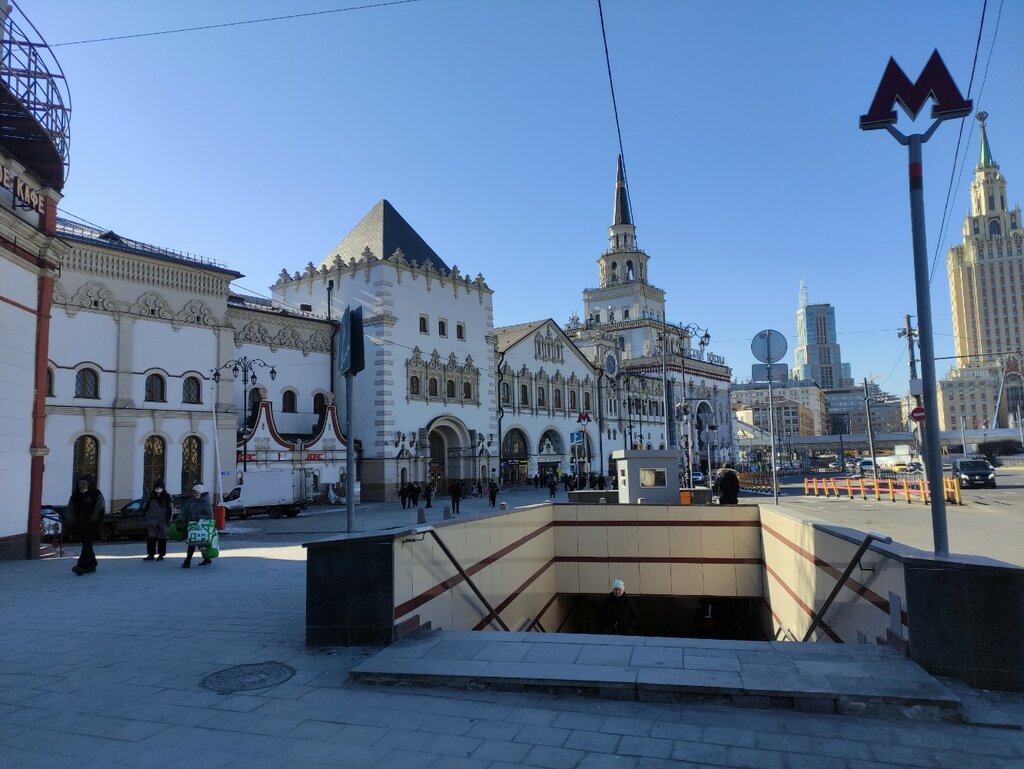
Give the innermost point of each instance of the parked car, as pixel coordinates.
(128, 522)
(697, 478)
(865, 467)
(974, 472)
(54, 520)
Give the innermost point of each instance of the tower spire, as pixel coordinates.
(621, 214)
(986, 160)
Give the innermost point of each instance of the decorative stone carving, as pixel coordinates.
(254, 331)
(60, 296)
(196, 311)
(94, 296)
(318, 342)
(284, 277)
(288, 337)
(152, 305)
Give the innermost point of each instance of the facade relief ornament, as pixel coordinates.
(94, 296)
(196, 311)
(152, 305)
(253, 331)
(288, 337)
(318, 342)
(417, 357)
(60, 296)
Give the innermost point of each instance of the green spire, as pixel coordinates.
(986, 160)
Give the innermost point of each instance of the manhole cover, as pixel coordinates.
(242, 678)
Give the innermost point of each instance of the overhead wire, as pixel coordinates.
(226, 24)
(954, 173)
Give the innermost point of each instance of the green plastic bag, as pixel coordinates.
(175, 532)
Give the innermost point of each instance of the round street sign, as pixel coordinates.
(917, 413)
(769, 346)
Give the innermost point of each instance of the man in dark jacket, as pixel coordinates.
(619, 611)
(196, 508)
(728, 487)
(456, 492)
(85, 510)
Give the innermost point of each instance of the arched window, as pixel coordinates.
(49, 383)
(432, 387)
(254, 406)
(467, 391)
(622, 343)
(524, 395)
(289, 403)
(191, 462)
(557, 397)
(449, 388)
(572, 400)
(156, 389)
(152, 461)
(542, 397)
(320, 408)
(993, 227)
(87, 384)
(414, 385)
(87, 457)
(191, 391)
(586, 401)
(506, 393)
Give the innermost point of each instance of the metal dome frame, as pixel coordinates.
(35, 103)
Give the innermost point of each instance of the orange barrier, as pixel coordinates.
(918, 488)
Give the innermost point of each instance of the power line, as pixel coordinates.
(234, 23)
(615, 109)
(944, 225)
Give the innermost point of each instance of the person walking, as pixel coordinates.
(552, 487)
(619, 611)
(158, 515)
(455, 489)
(492, 492)
(194, 509)
(403, 495)
(428, 494)
(85, 509)
(414, 495)
(728, 486)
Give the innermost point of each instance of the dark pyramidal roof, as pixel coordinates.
(383, 230)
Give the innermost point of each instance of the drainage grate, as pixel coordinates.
(242, 678)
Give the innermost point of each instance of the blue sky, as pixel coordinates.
(489, 126)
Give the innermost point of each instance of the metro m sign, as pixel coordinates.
(934, 81)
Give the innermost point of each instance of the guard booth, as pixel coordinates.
(652, 476)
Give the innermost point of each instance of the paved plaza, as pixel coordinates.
(107, 670)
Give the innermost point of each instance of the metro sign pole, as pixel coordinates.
(936, 83)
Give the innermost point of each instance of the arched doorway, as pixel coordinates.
(515, 457)
(451, 456)
(550, 453)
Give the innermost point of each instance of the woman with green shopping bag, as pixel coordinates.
(193, 510)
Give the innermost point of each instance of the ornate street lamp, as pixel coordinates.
(246, 367)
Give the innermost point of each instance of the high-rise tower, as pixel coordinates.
(986, 292)
(817, 356)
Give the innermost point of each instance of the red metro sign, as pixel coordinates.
(934, 81)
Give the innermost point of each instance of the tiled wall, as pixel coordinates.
(659, 549)
(507, 556)
(522, 560)
(802, 564)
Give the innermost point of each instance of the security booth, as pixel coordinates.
(651, 476)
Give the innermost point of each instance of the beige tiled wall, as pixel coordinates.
(583, 555)
(851, 616)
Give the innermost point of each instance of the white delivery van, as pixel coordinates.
(263, 491)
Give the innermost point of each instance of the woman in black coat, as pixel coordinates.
(158, 515)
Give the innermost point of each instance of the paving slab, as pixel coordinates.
(751, 673)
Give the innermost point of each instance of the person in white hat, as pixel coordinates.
(619, 611)
(197, 508)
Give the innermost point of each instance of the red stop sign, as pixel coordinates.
(917, 414)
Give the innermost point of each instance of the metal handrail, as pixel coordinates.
(868, 539)
(469, 580)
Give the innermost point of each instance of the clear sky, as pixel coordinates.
(489, 126)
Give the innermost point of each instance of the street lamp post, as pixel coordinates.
(247, 368)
